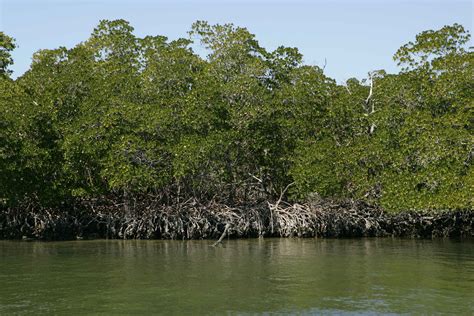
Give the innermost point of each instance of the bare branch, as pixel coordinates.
(371, 77)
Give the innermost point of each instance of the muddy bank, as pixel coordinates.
(193, 220)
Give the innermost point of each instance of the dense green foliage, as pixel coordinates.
(120, 115)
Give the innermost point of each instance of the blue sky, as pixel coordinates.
(353, 37)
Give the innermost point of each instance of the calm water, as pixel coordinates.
(302, 276)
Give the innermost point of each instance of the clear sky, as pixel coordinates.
(353, 37)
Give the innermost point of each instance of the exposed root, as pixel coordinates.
(222, 236)
(194, 220)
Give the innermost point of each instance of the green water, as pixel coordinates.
(299, 276)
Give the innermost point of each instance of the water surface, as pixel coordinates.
(302, 276)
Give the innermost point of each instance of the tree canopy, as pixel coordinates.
(119, 115)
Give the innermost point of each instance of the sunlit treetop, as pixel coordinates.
(7, 44)
(430, 46)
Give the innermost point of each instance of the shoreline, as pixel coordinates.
(193, 220)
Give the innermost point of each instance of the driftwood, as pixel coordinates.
(191, 219)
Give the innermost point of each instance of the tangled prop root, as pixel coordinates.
(194, 220)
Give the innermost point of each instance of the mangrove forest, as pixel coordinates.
(143, 137)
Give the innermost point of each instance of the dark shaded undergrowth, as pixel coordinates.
(194, 220)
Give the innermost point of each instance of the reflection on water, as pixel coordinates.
(303, 276)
